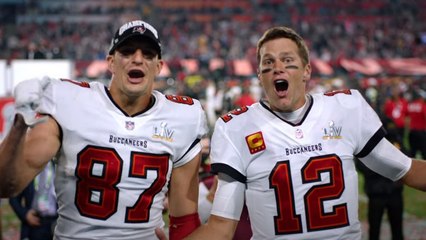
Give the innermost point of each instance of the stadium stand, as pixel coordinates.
(215, 40)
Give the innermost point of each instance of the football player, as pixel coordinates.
(120, 148)
(292, 156)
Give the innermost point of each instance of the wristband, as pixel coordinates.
(181, 227)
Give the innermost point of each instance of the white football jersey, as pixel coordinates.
(113, 170)
(301, 181)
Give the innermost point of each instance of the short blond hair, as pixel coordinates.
(284, 32)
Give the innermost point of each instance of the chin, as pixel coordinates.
(283, 105)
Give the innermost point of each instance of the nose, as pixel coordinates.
(278, 67)
(138, 56)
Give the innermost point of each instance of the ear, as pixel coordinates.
(307, 72)
(160, 64)
(110, 61)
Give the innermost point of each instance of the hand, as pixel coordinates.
(32, 218)
(27, 98)
(160, 234)
(165, 204)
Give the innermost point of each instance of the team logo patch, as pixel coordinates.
(163, 132)
(130, 125)
(255, 142)
(139, 29)
(332, 131)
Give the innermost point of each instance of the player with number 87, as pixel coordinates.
(120, 148)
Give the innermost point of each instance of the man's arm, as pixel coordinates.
(226, 211)
(388, 161)
(183, 199)
(416, 177)
(24, 153)
(219, 228)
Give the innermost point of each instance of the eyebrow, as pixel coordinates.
(281, 54)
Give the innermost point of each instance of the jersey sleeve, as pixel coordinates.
(228, 199)
(372, 148)
(202, 124)
(201, 130)
(370, 128)
(224, 155)
(388, 161)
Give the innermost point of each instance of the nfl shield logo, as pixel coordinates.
(299, 133)
(130, 125)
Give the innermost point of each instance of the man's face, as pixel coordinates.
(134, 66)
(283, 75)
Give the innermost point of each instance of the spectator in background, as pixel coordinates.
(245, 98)
(36, 206)
(417, 125)
(395, 111)
(34, 52)
(372, 95)
(383, 195)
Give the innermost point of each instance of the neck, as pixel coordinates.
(132, 105)
(296, 115)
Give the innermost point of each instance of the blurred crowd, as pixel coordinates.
(205, 30)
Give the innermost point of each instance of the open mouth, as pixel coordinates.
(281, 85)
(136, 74)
